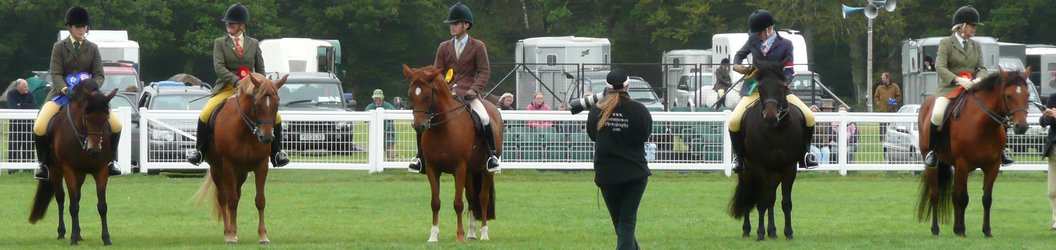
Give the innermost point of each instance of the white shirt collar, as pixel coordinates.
(959, 38)
(241, 37)
(462, 40)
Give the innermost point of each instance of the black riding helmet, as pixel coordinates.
(237, 13)
(77, 15)
(460, 13)
(966, 14)
(759, 21)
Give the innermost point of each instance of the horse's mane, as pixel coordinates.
(423, 73)
(88, 92)
(246, 87)
(767, 69)
(991, 81)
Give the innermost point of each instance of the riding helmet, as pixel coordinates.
(237, 13)
(966, 14)
(77, 15)
(460, 13)
(759, 21)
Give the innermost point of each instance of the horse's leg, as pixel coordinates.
(786, 201)
(747, 226)
(761, 207)
(989, 176)
(73, 183)
(460, 188)
(434, 188)
(933, 191)
(101, 178)
(260, 176)
(485, 203)
(218, 175)
(232, 204)
(771, 229)
(960, 197)
(60, 200)
(471, 191)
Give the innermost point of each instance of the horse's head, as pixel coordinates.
(772, 90)
(1014, 88)
(426, 86)
(95, 109)
(263, 98)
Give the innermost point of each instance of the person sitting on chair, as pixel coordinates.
(764, 44)
(235, 56)
(71, 55)
(469, 76)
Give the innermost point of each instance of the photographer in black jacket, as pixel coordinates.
(620, 126)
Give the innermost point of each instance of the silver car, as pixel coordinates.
(901, 139)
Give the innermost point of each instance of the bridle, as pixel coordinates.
(1000, 119)
(83, 139)
(432, 112)
(251, 123)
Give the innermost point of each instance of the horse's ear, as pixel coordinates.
(1001, 72)
(1026, 73)
(407, 71)
(111, 95)
(253, 79)
(281, 81)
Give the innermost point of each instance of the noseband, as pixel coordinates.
(432, 112)
(251, 123)
(1004, 120)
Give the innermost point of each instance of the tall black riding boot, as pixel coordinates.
(493, 160)
(115, 139)
(809, 159)
(933, 143)
(203, 134)
(41, 144)
(737, 143)
(278, 158)
(417, 165)
(1006, 158)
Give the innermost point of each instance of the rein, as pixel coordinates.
(82, 139)
(1004, 120)
(432, 113)
(252, 124)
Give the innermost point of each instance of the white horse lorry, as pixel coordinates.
(551, 65)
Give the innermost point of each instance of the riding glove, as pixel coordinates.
(964, 82)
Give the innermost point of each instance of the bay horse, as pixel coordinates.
(451, 145)
(976, 139)
(242, 143)
(80, 135)
(773, 145)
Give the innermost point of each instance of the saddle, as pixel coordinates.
(212, 117)
(953, 111)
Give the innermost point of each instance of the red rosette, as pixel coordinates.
(243, 72)
(965, 74)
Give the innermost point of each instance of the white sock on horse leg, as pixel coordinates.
(484, 233)
(434, 233)
(472, 225)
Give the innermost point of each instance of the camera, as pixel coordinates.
(578, 105)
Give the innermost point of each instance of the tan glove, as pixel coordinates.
(720, 92)
(964, 82)
(741, 69)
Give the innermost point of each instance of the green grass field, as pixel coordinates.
(536, 210)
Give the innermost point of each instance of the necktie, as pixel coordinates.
(965, 44)
(238, 47)
(458, 49)
(766, 48)
(77, 47)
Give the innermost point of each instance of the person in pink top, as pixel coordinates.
(538, 104)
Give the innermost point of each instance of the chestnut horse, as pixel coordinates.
(242, 143)
(976, 139)
(773, 144)
(451, 145)
(81, 139)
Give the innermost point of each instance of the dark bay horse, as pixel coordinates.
(976, 140)
(81, 138)
(451, 145)
(773, 144)
(242, 142)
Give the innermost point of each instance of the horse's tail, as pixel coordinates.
(45, 193)
(207, 193)
(945, 195)
(745, 196)
(474, 202)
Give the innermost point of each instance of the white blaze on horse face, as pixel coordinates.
(417, 91)
(1019, 90)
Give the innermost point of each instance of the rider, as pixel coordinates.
(470, 76)
(235, 56)
(957, 53)
(71, 55)
(764, 44)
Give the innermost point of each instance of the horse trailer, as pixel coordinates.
(684, 72)
(300, 55)
(114, 45)
(918, 82)
(1042, 62)
(547, 62)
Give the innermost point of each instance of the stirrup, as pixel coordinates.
(1006, 158)
(114, 168)
(280, 159)
(195, 158)
(493, 164)
(810, 161)
(41, 173)
(930, 159)
(415, 166)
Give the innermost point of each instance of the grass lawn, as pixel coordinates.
(536, 210)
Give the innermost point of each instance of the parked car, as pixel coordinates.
(639, 89)
(120, 101)
(165, 144)
(901, 139)
(314, 91)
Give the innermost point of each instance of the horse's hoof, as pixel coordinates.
(788, 237)
(107, 243)
(431, 241)
(264, 243)
(64, 237)
(231, 242)
(471, 237)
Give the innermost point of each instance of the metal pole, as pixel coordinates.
(869, 68)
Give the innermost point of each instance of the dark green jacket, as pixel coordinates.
(226, 60)
(953, 59)
(65, 61)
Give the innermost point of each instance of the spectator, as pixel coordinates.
(887, 98)
(390, 129)
(19, 144)
(820, 144)
(722, 77)
(852, 138)
(1048, 119)
(929, 64)
(506, 102)
(538, 104)
(565, 127)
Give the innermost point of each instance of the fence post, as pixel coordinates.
(842, 143)
(375, 147)
(727, 150)
(144, 131)
(124, 150)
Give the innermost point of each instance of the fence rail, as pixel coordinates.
(382, 140)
